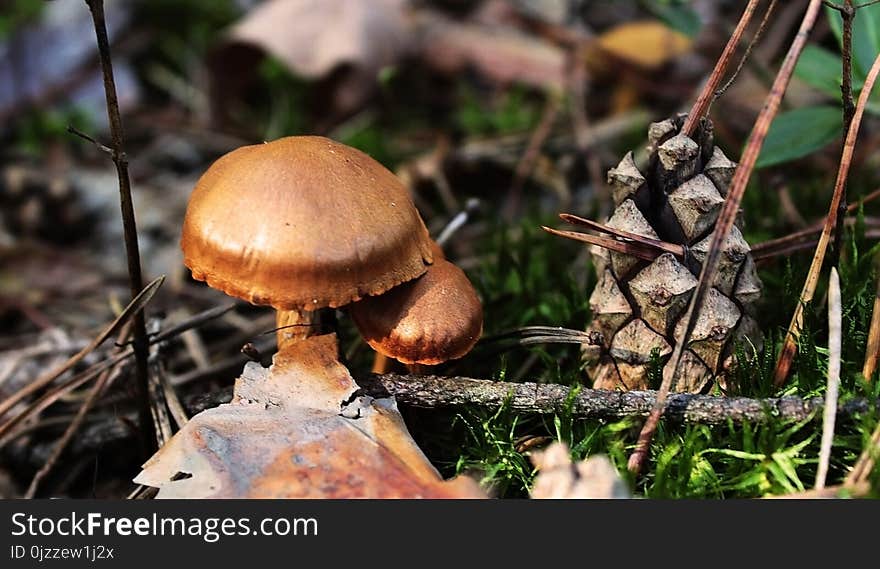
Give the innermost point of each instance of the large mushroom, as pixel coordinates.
(299, 224)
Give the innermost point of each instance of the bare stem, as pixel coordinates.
(708, 92)
(139, 331)
(847, 14)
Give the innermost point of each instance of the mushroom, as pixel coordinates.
(300, 224)
(427, 321)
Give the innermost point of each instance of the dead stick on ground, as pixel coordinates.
(726, 219)
(436, 392)
(139, 332)
(786, 355)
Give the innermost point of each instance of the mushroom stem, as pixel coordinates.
(381, 363)
(293, 326)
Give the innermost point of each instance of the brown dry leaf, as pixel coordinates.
(648, 44)
(346, 43)
(558, 477)
(315, 39)
(500, 53)
(297, 430)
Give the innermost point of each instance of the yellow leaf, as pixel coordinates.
(648, 44)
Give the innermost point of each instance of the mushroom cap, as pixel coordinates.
(432, 319)
(302, 222)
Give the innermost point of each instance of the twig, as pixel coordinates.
(726, 219)
(705, 97)
(436, 392)
(105, 149)
(786, 355)
(458, 221)
(661, 246)
(97, 390)
(835, 317)
(742, 61)
(640, 247)
(87, 375)
(847, 14)
(133, 307)
(139, 331)
(865, 464)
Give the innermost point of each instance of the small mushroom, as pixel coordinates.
(432, 319)
(300, 224)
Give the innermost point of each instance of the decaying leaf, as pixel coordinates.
(299, 430)
(558, 477)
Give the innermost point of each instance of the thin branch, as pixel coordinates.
(835, 317)
(105, 149)
(786, 355)
(705, 97)
(742, 61)
(847, 14)
(726, 219)
(139, 331)
(97, 390)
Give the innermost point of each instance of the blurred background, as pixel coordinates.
(509, 110)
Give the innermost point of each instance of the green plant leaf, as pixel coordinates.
(678, 16)
(820, 68)
(795, 134)
(866, 38)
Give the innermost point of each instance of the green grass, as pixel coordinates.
(532, 282)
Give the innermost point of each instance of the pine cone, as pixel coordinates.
(638, 305)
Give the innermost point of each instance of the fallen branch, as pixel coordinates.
(438, 392)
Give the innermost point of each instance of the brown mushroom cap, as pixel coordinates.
(302, 222)
(430, 320)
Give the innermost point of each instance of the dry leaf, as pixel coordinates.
(314, 38)
(558, 477)
(500, 53)
(297, 430)
(647, 44)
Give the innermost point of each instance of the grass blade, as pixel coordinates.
(786, 355)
